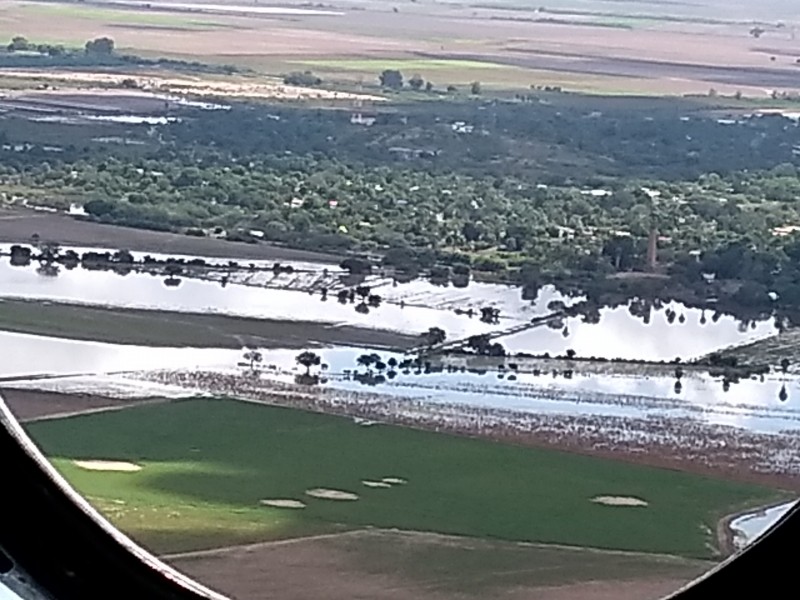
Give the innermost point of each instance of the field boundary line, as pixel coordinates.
(428, 534)
(259, 545)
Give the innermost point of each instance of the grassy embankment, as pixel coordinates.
(208, 463)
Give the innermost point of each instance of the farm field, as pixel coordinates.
(406, 565)
(582, 46)
(205, 466)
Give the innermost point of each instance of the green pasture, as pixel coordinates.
(119, 16)
(207, 463)
(402, 64)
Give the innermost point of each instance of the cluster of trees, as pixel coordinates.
(102, 46)
(537, 193)
(393, 79)
(302, 78)
(98, 52)
(21, 44)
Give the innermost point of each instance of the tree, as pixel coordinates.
(50, 252)
(391, 78)
(356, 266)
(253, 357)
(416, 82)
(475, 88)
(20, 256)
(434, 336)
(123, 256)
(103, 46)
(308, 359)
(19, 43)
(365, 360)
(304, 78)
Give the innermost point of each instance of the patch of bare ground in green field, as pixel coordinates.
(402, 565)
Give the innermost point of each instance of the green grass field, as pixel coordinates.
(207, 463)
(121, 16)
(403, 64)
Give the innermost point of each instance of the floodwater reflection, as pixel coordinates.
(411, 307)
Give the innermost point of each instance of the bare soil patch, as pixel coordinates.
(376, 484)
(284, 503)
(328, 494)
(395, 565)
(268, 87)
(107, 465)
(645, 589)
(394, 480)
(619, 501)
(27, 405)
(17, 226)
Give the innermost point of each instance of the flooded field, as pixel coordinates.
(36, 356)
(751, 405)
(688, 419)
(411, 307)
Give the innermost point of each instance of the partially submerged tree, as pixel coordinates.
(309, 359)
(253, 357)
(434, 336)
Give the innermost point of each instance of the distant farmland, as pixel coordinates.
(630, 48)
